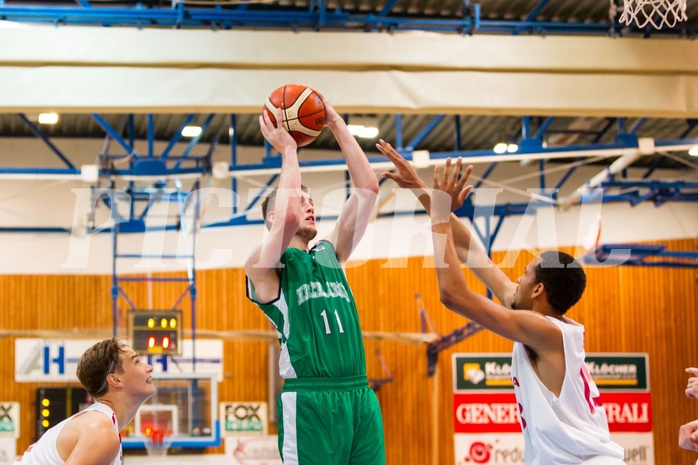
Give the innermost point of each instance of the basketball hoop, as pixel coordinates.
(157, 443)
(657, 13)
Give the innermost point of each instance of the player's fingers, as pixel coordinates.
(464, 193)
(436, 175)
(263, 122)
(264, 119)
(692, 370)
(463, 179)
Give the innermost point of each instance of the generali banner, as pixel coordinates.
(486, 415)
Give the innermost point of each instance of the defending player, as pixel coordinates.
(328, 414)
(115, 376)
(562, 418)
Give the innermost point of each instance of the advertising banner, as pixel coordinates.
(486, 414)
(8, 450)
(252, 450)
(47, 360)
(9, 420)
(243, 418)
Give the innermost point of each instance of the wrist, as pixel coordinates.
(440, 207)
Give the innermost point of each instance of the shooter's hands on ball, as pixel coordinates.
(405, 175)
(277, 136)
(692, 387)
(331, 115)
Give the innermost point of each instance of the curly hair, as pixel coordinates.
(563, 277)
(97, 363)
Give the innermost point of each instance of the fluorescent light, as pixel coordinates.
(48, 118)
(694, 151)
(421, 158)
(191, 131)
(500, 148)
(359, 130)
(511, 148)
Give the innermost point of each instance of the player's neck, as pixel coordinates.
(124, 408)
(299, 242)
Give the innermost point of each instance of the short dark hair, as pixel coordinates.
(97, 363)
(563, 277)
(269, 201)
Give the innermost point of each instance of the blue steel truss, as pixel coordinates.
(316, 16)
(137, 224)
(640, 255)
(166, 168)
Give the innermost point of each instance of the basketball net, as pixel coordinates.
(157, 443)
(657, 13)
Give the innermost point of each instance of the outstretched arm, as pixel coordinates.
(262, 266)
(468, 250)
(356, 212)
(527, 327)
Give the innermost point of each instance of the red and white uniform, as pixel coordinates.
(571, 428)
(44, 452)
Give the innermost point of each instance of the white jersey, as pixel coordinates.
(571, 428)
(44, 451)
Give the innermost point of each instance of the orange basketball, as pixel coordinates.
(303, 114)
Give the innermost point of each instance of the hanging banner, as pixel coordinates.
(48, 360)
(486, 414)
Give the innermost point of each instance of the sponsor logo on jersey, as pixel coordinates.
(317, 290)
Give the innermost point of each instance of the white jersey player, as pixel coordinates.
(45, 450)
(572, 425)
(115, 376)
(548, 351)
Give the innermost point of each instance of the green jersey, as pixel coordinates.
(315, 316)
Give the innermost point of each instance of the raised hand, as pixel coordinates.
(331, 115)
(405, 176)
(453, 183)
(276, 135)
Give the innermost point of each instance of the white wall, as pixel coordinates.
(56, 203)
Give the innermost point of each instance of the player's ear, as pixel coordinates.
(113, 379)
(538, 290)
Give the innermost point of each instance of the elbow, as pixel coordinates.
(457, 300)
(448, 298)
(373, 187)
(369, 190)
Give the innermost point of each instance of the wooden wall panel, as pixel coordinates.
(625, 309)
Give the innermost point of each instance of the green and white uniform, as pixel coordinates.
(328, 413)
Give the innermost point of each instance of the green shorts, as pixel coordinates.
(330, 421)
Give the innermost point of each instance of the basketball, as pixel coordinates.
(303, 114)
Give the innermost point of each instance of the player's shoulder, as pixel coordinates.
(93, 419)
